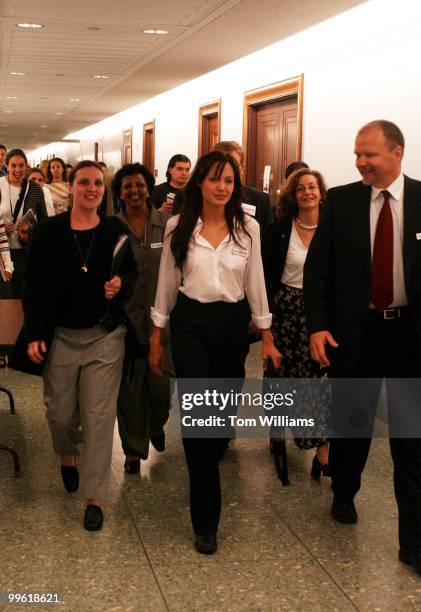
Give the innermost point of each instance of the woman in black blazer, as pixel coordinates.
(284, 250)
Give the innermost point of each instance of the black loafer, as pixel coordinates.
(93, 518)
(132, 466)
(411, 558)
(70, 477)
(206, 544)
(344, 511)
(158, 442)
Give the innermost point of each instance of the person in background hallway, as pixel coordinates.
(144, 398)
(177, 174)
(255, 203)
(284, 250)
(107, 204)
(73, 313)
(363, 311)
(69, 168)
(35, 175)
(6, 264)
(293, 166)
(58, 185)
(17, 196)
(3, 153)
(43, 166)
(210, 262)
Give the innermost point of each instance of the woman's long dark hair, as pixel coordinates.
(192, 204)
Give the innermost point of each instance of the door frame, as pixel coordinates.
(270, 93)
(208, 109)
(149, 127)
(126, 132)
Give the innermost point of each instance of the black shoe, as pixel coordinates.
(318, 468)
(344, 511)
(158, 442)
(411, 558)
(93, 518)
(70, 477)
(132, 466)
(206, 544)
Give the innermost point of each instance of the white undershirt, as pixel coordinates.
(9, 197)
(396, 206)
(226, 274)
(294, 263)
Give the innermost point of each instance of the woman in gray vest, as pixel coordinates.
(144, 397)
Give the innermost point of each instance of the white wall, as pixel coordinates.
(359, 66)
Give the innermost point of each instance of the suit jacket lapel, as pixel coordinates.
(411, 209)
(361, 206)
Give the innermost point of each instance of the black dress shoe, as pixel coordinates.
(93, 518)
(206, 544)
(158, 442)
(411, 558)
(70, 478)
(344, 511)
(132, 466)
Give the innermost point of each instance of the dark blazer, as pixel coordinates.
(337, 272)
(275, 243)
(261, 201)
(45, 273)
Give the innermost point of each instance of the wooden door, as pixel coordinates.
(209, 126)
(127, 147)
(273, 140)
(149, 146)
(276, 138)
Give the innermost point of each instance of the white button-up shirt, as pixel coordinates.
(396, 206)
(226, 273)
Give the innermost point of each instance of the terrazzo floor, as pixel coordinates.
(278, 547)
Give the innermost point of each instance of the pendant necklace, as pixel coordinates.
(84, 261)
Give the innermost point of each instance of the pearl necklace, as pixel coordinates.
(304, 226)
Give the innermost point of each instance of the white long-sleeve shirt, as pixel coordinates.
(226, 273)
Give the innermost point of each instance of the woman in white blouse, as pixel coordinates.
(36, 175)
(285, 247)
(210, 264)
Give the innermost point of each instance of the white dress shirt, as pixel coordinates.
(226, 273)
(396, 206)
(9, 195)
(293, 272)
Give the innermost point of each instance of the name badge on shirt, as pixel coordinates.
(249, 209)
(156, 245)
(418, 236)
(240, 252)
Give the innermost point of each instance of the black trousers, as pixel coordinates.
(391, 350)
(208, 341)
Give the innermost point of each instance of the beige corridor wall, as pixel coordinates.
(358, 66)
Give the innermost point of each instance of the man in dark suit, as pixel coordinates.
(362, 295)
(256, 203)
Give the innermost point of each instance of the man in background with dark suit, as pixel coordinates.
(362, 296)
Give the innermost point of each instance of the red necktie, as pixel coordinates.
(382, 265)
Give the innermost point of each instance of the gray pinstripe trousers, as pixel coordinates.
(81, 381)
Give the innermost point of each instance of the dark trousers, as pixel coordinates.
(208, 341)
(391, 350)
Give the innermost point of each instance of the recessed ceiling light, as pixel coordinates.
(15, 73)
(4, 125)
(101, 76)
(11, 97)
(58, 113)
(34, 26)
(8, 112)
(43, 126)
(156, 31)
(74, 99)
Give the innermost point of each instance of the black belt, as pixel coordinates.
(390, 314)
